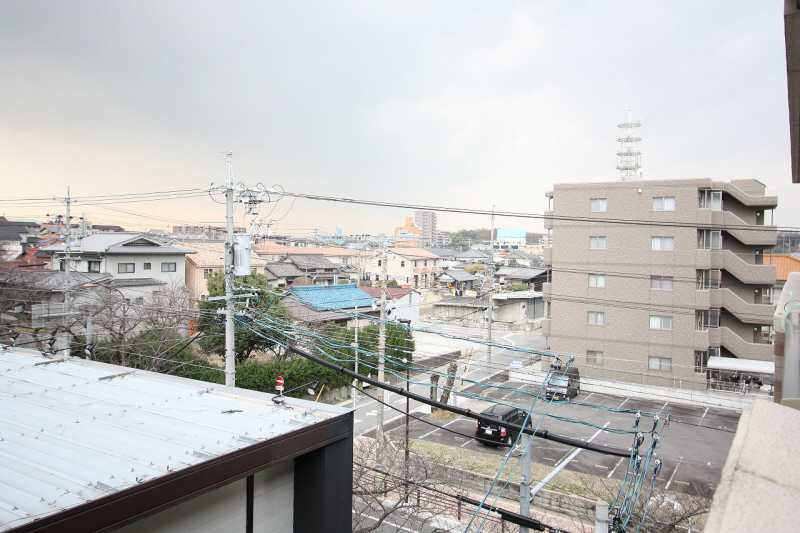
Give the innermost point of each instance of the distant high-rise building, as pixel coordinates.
(408, 235)
(426, 222)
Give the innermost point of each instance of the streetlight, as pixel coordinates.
(122, 347)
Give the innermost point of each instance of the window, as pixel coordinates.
(94, 266)
(415, 263)
(597, 280)
(701, 358)
(425, 263)
(665, 244)
(126, 268)
(664, 203)
(661, 283)
(402, 263)
(379, 262)
(710, 199)
(168, 267)
(662, 364)
(706, 319)
(708, 279)
(597, 243)
(62, 264)
(207, 272)
(146, 266)
(597, 318)
(709, 239)
(660, 322)
(597, 204)
(594, 357)
(766, 333)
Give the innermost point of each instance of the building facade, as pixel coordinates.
(426, 222)
(651, 278)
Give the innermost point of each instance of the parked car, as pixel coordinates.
(563, 385)
(497, 433)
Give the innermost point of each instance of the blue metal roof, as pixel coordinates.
(323, 297)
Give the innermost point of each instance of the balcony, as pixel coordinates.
(767, 202)
(546, 327)
(547, 289)
(743, 349)
(757, 236)
(548, 220)
(547, 259)
(743, 271)
(746, 312)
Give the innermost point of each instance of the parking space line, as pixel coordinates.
(702, 417)
(623, 402)
(440, 427)
(615, 467)
(666, 487)
(601, 466)
(590, 394)
(662, 407)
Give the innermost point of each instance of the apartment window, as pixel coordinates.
(708, 239)
(660, 322)
(425, 263)
(664, 203)
(146, 266)
(664, 244)
(766, 333)
(661, 364)
(708, 318)
(207, 272)
(596, 318)
(402, 263)
(710, 199)
(597, 243)
(771, 295)
(597, 204)
(126, 268)
(701, 358)
(597, 280)
(593, 357)
(94, 266)
(415, 263)
(168, 267)
(661, 283)
(62, 263)
(708, 279)
(379, 262)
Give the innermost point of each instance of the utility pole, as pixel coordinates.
(525, 479)
(67, 268)
(491, 293)
(355, 346)
(230, 352)
(382, 340)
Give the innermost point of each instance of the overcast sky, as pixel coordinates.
(457, 103)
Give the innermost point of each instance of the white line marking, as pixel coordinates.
(400, 400)
(662, 407)
(601, 466)
(548, 458)
(440, 427)
(590, 394)
(666, 487)
(615, 467)
(470, 440)
(702, 417)
(356, 420)
(623, 402)
(374, 412)
(399, 527)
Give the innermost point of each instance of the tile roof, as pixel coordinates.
(284, 270)
(391, 292)
(310, 261)
(458, 275)
(520, 273)
(412, 253)
(211, 254)
(122, 243)
(136, 282)
(325, 297)
(784, 264)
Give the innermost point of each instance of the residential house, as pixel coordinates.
(532, 277)
(281, 274)
(457, 280)
(312, 305)
(137, 263)
(317, 269)
(653, 299)
(447, 258)
(404, 302)
(785, 264)
(409, 267)
(519, 259)
(208, 258)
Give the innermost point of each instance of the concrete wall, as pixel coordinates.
(111, 266)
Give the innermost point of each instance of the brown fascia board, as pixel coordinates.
(135, 503)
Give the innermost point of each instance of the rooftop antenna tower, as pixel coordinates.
(629, 158)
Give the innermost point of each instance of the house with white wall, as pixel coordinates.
(409, 267)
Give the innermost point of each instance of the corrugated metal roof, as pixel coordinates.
(67, 438)
(136, 282)
(458, 275)
(323, 297)
(734, 364)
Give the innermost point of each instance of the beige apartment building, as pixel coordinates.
(652, 278)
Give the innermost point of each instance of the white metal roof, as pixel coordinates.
(69, 434)
(734, 364)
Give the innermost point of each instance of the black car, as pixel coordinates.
(497, 433)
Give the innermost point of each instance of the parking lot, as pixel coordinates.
(693, 447)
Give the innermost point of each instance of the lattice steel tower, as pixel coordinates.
(629, 158)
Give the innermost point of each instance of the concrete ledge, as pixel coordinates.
(760, 485)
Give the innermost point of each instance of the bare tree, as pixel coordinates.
(416, 494)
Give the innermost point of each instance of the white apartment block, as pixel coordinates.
(426, 222)
(651, 278)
